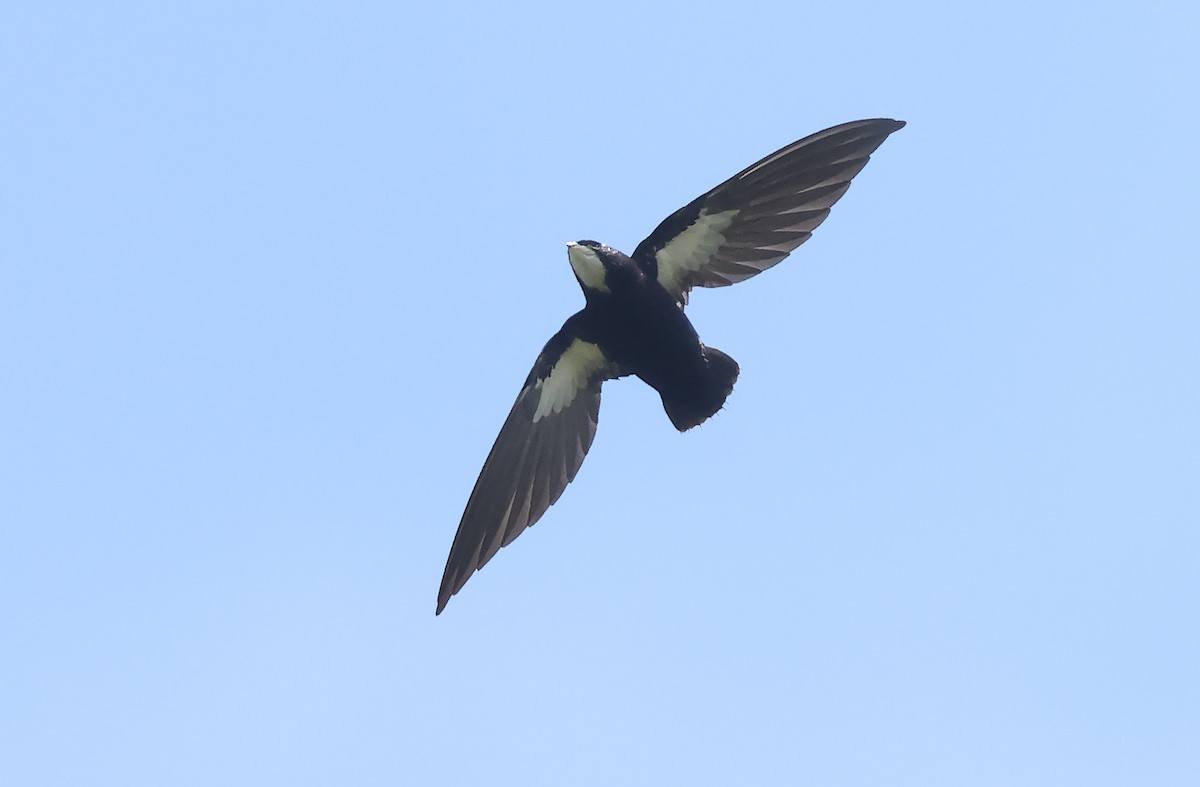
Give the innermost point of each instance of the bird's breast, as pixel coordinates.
(651, 338)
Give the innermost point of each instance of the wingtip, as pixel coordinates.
(888, 125)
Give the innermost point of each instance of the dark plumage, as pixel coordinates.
(634, 323)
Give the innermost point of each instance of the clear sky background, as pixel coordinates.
(272, 274)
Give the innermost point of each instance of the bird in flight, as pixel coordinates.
(633, 323)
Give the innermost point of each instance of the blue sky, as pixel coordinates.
(272, 274)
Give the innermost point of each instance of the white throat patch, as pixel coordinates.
(587, 266)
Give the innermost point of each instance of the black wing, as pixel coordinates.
(540, 449)
(760, 215)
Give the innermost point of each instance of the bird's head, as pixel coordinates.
(590, 261)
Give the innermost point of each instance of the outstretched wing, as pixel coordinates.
(540, 448)
(760, 215)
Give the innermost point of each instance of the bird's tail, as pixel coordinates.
(694, 404)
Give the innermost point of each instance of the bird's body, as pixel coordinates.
(643, 330)
(634, 323)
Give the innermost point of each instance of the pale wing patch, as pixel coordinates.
(571, 374)
(693, 248)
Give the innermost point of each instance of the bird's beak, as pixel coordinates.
(571, 244)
